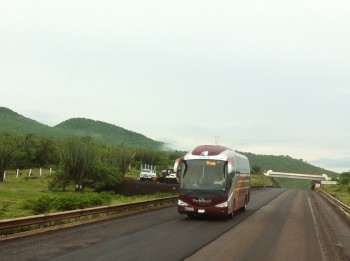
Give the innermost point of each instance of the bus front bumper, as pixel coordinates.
(203, 210)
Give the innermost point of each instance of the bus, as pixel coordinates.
(214, 181)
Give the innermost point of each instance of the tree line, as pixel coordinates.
(78, 161)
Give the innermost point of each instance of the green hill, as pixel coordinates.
(99, 131)
(108, 133)
(285, 164)
(11, 121)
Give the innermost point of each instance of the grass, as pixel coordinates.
(133, 174)
(340, 192)
(294, 183)
(17, 193)
(260, 180)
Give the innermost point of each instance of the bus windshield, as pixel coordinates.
(203, 174)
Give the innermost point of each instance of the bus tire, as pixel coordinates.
(244, 208)
(232, 214)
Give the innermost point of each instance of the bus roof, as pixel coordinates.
(210, 150)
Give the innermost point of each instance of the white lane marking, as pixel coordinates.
(317, 229)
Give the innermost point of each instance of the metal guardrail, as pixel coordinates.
(345, 208)
(44, 218)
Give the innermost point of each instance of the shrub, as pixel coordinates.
(80, 201)
(41, 205)
(68, 201)
(344, 181)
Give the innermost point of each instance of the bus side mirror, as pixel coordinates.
(230, 168)
(177, 164)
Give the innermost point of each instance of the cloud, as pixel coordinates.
(336, 164)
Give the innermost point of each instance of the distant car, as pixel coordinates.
(147, 174)
(172, 176)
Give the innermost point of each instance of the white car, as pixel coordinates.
(147, 174)
(172, 176)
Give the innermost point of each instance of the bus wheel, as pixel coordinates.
(244, 208)
(232, 214)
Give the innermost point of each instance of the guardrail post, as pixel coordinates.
(17, 173)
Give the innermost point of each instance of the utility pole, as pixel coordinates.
(216, 140)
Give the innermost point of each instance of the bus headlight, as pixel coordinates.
(181, 203)
(222, 205)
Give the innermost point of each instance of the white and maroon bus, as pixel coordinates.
(214, 180)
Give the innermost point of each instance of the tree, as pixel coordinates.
(256, 169)
(37, 152)
(121, 158)
(45, 152)
(78, 161)
(9, 145)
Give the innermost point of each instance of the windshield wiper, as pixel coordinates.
(203, 191)
(192, 191)
(213, 192)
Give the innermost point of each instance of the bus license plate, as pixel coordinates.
(202, 211)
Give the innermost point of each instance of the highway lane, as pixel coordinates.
(156, 235)
(279, 224)
(298, 225)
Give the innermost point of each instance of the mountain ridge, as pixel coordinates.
(12, 121)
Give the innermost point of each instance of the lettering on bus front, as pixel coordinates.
(202, 200)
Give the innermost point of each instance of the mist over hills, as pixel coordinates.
(107, 133)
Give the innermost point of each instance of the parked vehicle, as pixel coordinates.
(168, 176)
(172, 178)
(147, 174)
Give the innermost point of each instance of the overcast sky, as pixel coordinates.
(268, 77)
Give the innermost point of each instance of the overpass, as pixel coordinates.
(276, 174)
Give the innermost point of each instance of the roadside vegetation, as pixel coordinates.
(26, 196)
(341, 191)
(81, 167)
(260, 180)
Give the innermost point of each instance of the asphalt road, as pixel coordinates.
(298, 225)
(279, 224)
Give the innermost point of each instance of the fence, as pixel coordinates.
(35, 172)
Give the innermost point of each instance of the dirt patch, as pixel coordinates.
(135, 187)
